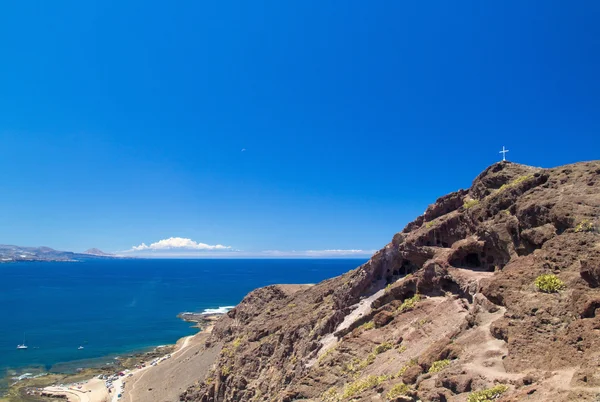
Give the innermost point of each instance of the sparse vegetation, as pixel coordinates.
(384, 347)
(401, 348)
(584, 226)
(225, 371)
(438, 366)
(487, 395)
(470, 204)
(357, 365)
(237, 342)
(398, 390)
(325, 354)
(331, 395)
(409, 304)
(369, 360)
(515, 182)
(362, 385)
(549, 283)
(402, 370)
(412, 362)
(368, 326)
(429, 224)
(230, 352)
(421, 322)
(521, 179)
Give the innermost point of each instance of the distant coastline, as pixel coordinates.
(11, 253)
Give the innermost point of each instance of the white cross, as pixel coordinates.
(503, 152)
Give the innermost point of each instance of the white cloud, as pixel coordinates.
(180, 247)
(179, 243)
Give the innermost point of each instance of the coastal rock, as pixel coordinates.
(448, 307)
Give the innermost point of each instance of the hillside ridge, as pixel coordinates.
(456, 304)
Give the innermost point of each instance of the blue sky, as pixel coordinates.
(123, 124)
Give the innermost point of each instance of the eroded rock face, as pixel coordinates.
(459, 313)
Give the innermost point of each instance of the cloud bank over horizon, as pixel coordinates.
(181, 247)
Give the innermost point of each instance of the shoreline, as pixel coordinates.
(93, 384)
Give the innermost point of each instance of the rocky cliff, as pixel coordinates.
(491, 293)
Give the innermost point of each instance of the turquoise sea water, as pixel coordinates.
(112, 307)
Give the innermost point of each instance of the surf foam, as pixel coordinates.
(220, 310)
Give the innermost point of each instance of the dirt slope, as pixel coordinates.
(448, 308)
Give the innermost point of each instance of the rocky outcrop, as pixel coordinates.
(452, 306)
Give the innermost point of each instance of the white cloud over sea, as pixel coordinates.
(181, 247)
(179, 243)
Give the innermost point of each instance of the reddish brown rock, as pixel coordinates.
(469, 264)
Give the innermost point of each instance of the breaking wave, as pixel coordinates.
(220, 310)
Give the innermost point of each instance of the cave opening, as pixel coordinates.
(405, 268)
(472, 261)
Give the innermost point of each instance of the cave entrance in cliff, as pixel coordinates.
(404, 269)
(407, 267)
(471, 261)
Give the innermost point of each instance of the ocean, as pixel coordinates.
(113, 307)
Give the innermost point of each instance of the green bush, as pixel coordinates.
(227, 352)
(412, 362)
(325, 354)
(549, 283)
(383, 347)
(362, 385)
(331, 395)
(225, 371)
(584, 226)
(487, 395)
(357, 365)
(368, 326)
(398, 390)
(438, 366)
(409, 303)
(470, 203)
(515, 182)
(237, 342)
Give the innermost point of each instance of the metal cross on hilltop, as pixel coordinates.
(503, 152)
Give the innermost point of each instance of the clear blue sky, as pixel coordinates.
(124, 123)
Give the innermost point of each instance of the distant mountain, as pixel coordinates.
(98, 252)
(11, 253)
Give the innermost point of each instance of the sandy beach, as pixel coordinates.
(173, 373)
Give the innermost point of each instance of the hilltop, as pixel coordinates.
(491, 293)
(493, 290)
